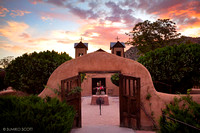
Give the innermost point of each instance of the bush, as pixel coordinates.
(183, 109)
(30, 72)
(115, 79)
(177, 66)
(41, 115)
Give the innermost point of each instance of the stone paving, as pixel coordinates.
(108, 122)
(109, 113)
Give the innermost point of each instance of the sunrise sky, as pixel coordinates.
(40, 25)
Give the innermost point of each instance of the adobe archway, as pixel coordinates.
(102, 61)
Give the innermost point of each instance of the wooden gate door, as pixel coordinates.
(129, 101)
(74, 99)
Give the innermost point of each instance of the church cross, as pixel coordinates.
(117, 38)
(81, 39)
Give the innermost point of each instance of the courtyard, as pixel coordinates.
(107, 122)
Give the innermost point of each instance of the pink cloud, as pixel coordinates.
(3, 11)
(34, 1)
(25, 35)
(15, 13)
(105, 35)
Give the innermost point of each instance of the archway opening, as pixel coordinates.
(98, 82)
(91, 113)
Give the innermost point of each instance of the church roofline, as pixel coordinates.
(100, 50)
(80, 43)
(112, 44)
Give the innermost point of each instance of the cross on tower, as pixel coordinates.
(81, 39)
(117, 38)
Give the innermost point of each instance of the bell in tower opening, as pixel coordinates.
(80, 48)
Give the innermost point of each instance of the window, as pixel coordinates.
(118, 53)
(80, 54)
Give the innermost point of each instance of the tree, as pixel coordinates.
(2, 76)
(30, 72)
(147, 36)
(6, 60)
(176, 65)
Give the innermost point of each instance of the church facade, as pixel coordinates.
(93, 78)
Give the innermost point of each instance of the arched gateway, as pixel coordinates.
(135, 85)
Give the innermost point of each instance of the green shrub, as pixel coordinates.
(183, 109)
(42, 115)
(176, 65)
(30, 72)
(115, 79)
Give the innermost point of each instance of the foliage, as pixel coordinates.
(2, 76)
(83, 76)
(30, 72)
(148, 96)
(149, 36)
(183, 109)
(176, 65)
(115, 79)
(5, 61)
(42, 115)
(75, 90)
(56, 91)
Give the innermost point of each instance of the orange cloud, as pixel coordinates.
(18, 13)
(186, 15)
(15, 48)
(3, 11)
(38, 40)
(14, 30)
(45, 18)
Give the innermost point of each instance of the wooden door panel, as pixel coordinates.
(129, 102)
(67, 85)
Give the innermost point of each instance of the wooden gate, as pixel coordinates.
(129, 101)
(67, 86)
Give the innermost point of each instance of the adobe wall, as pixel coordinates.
(102, 61)
(86, 85)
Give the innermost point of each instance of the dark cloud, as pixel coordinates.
(183, 12)
(57, 2)
(84, 14)
(93, 5)
(124, 11)
(73, 8)
(118, 14)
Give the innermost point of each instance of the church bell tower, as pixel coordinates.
(80, 48)
(117, 48)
